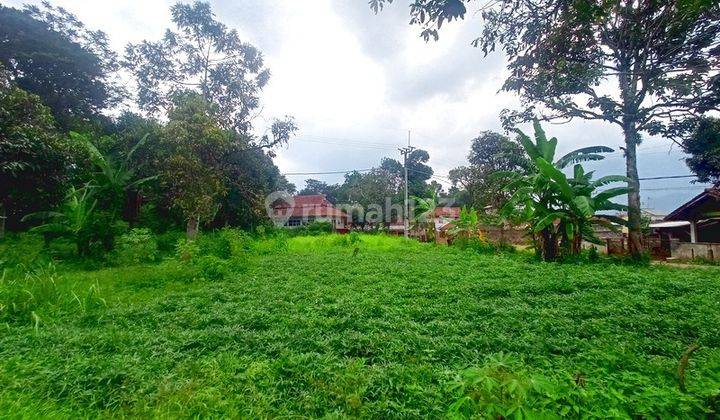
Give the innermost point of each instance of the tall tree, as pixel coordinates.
(203, 55)
(660, 56)
(34, 157)
(50, 53)
(250, 176)
(314, 186)
(703, 146)
(491, 155)
(192, 169)
(419, 172)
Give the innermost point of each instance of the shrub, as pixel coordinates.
(186, 250)
(351, 239)
(478, 245)
(225, 243)
(212, 267)
(318, 228)
(593, 254)
(135, 247)
(167, 241)
(25, 249)
(271, 245)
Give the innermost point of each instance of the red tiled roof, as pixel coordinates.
(308, 206)
(304, 201)
(452, 212)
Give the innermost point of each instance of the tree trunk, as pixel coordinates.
(193, 226)
(549, 245)
(3, 217)
(628, 92)
(131, 207)
(634, 215)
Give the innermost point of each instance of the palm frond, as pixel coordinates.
(583, 155)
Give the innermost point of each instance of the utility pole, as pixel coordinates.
(405, 151)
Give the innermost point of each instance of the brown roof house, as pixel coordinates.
(694, 227)
(301, 210)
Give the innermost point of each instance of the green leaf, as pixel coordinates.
(583, 155)
(549, 152)
(585, 205)
(570, 230)
(547, 169)
(547, 221)
(578, 172)
(609, 179)
(530, 147)
(611, 192)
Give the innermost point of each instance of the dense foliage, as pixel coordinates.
(561, 210)
(34, 157)
(50, 53)
(271, 328)
(481, 183)
(703, 146)
(72, 172)
(661, 57)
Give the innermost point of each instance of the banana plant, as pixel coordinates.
(425, 214)
(112, 178)
(74, 218)
(560, 210)
(468, 225)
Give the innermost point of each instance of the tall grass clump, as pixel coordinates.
(39, 294)
(22, 297)
(217, 254)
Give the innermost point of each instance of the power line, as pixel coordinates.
(696, 187)
(327, 173)
(667, 177)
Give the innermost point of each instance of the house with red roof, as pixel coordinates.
(302, 210)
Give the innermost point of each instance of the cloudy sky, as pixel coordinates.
(357, 82)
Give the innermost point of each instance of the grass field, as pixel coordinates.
(400, 330)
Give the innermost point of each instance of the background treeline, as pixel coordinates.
(86, 155)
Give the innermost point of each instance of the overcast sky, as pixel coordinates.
(357, 82)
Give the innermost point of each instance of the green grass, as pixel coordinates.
(400, 330)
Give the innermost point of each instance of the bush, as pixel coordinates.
(137, 246)
(593, 254)
(351, 239)
(275, 244)
(482, 246)
(25, 249)
(312, 229)
(187, 250)
(167, 241)
(225, 243)
(212, 267)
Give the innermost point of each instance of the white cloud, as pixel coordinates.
(350, 76)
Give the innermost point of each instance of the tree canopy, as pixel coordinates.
(481, 184)
(703, 146)
(50, 53)
(203, 55)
